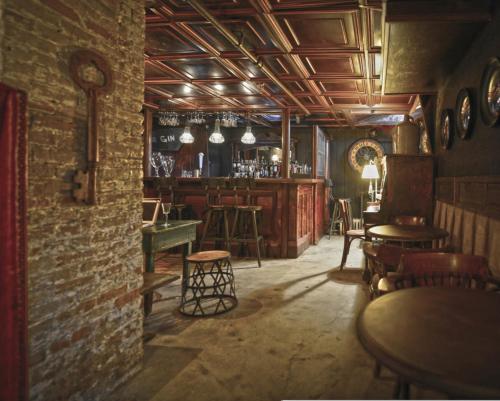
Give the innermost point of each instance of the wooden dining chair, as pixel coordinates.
(349, 234)
(386, 262)
(426, 269)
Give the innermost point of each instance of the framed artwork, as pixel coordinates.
(446, 128)
(489, 93)
(464, 114)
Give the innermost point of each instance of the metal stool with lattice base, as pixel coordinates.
(209, 289)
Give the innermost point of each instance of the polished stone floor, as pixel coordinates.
(292, 336)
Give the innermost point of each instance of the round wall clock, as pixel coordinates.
(446, 129)
(489, 95)
(464, 114)
(362, 151)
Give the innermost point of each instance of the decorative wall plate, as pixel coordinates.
(446, 128)
(362, 151)
(464, 114)
(489, 93)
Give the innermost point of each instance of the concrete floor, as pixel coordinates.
(292, 336)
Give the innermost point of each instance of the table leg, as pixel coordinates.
(148, 298)
(186, 251)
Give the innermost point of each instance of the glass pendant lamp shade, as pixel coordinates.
(186, 136)
(248, 138)
(216, 136)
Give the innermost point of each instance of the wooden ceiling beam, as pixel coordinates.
(262, 53)
(363, 16)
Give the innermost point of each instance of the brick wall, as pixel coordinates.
(85, 319)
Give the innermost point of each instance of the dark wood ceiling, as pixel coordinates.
(326, 53)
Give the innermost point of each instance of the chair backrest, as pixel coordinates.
(389, 256)
(166, 186)
(212, 185)
(240, 184)
(442, 269)
(346, 213)
(408, 220)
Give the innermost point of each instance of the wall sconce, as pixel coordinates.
(370, 172)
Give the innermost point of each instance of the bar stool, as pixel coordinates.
(335, 219)
(166, 187)
(245, 229)
(209, 289)
(216, 226)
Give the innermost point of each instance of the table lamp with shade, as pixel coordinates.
(370, 172)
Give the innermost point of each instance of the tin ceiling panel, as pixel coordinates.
(164, 41)
(321, 31)
(342, 86)
(199, 68)
(234, 89)
(180, 90)
(349, 66)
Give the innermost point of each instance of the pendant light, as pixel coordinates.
(186, 136)
(216, 136)
(248, 138)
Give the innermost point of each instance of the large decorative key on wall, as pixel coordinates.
(93, 85)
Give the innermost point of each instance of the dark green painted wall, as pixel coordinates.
(479, 155)
(348, 183)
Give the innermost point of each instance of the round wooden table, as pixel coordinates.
(400, 233)
(444, 338)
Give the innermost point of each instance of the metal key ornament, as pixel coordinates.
(87, 180)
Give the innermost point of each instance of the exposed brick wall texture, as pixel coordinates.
(85, 318)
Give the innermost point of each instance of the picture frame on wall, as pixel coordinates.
(489, 93)
(465, 113)
(446, 129)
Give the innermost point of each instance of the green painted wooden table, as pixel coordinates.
(159, 238)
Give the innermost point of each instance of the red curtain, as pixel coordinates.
(13, 258)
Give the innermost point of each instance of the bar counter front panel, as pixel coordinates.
(292, 214)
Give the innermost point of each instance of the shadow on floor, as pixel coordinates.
(156, 373)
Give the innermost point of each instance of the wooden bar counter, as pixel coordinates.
(292, 216)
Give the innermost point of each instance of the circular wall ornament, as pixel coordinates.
(362, 151)
(464, 114)
(489, 94)
(446, 129)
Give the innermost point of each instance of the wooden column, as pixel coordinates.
(147, 136)
(285, 143)
(314, 158)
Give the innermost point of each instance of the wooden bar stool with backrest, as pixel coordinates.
(216, 227)
(245, 228)
(349, 234)
(336, 218)
(166, 187)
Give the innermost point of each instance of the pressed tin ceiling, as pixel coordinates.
(327, 54)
